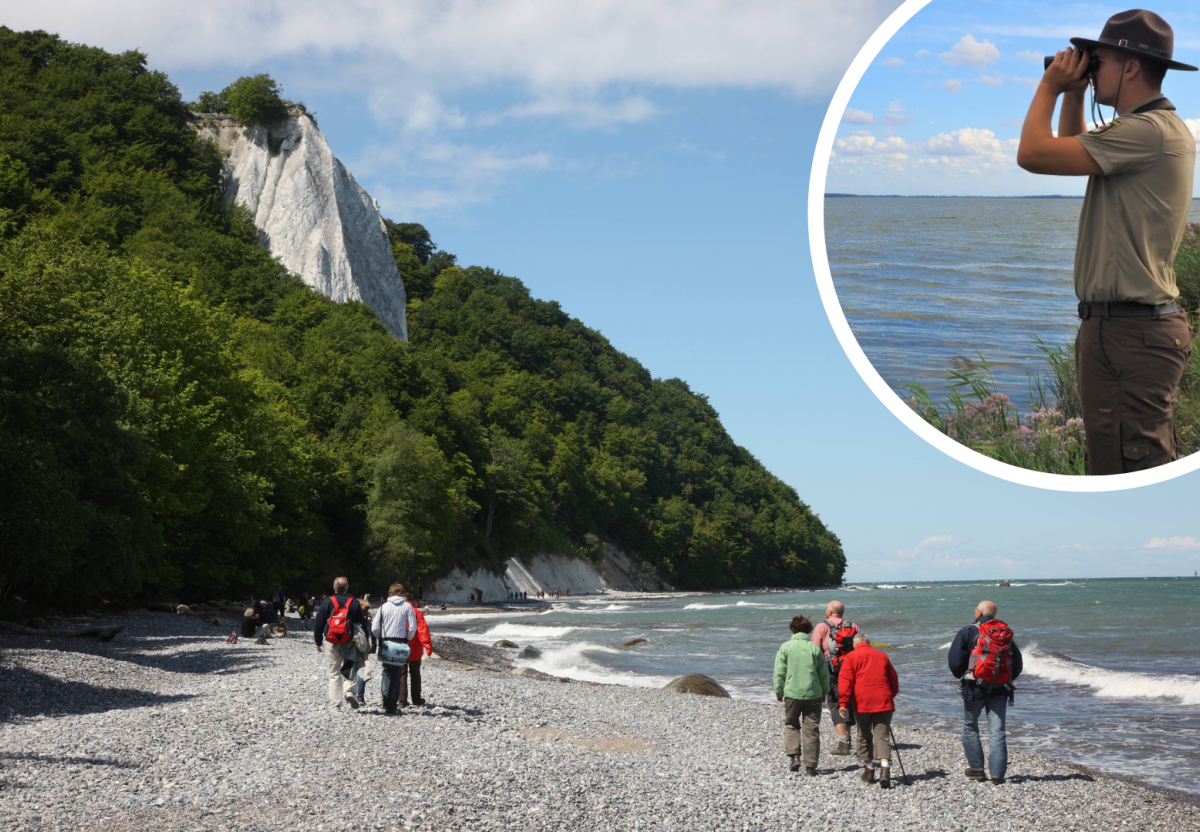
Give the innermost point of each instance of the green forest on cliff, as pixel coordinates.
(179, 415)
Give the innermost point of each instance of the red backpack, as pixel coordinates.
(991, 657)
(839, 643)
(339, 630)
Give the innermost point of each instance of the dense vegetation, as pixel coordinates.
(178, 414)
(1050, 438)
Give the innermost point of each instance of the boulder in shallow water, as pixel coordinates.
(634, 641)
(697, 683)
(1004, 583)
(506, 643)
(530, 652)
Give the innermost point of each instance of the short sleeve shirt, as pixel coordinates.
(1135, 213)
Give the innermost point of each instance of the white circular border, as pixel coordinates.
(885, 394)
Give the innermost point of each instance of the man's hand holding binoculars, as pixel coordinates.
(1068, 71)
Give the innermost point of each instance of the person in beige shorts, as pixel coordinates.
(1134, 341)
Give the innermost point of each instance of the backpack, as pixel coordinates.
(839, 643)
(991, 657)
(340, 630)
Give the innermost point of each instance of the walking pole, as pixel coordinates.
(896, 746)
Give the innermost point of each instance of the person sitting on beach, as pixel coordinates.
(419, 645)
(395, 621)
(801, 683)
(333, 626)
(266, 612)
(986, 659)
(253, 626)
(843, 642)
(867, 685)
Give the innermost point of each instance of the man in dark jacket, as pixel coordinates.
(979, 697)
(344, 660)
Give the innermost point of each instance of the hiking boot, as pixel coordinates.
(811, 771)
(997, 781)
(885, 777)
(418, 701)
(843, 748)
(352, 701)
(794, 764)
(976, 774)
(361, 702)
(868, 775)
(261, 641)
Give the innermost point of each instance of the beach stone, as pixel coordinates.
(529, 652)
(1004, 583)
(696, 683)
(506, 643)
(634, 641)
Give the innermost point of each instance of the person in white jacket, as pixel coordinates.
(395, 621)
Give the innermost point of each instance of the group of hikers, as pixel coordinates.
(835, 664)
(355, 638)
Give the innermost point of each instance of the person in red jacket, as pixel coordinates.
(418, 646)
(867, 686)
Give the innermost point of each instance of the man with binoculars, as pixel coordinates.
(1134, 341)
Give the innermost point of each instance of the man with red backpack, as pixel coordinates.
(835, 636)
(334, 625)
(986, 658)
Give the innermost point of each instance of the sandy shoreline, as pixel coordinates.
(168, 727)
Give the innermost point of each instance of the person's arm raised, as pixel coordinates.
(1040, 151)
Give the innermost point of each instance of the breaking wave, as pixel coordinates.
(1111, 684)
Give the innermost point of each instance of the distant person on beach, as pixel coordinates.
(867, 685)
(835, 637)
(253, 626)
(278, 600)
(1134, 341)
(986, 659)
(333, 627)
(305, 610)
(419, 645)
(395, 622)
(801, 684)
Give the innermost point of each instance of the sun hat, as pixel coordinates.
(1138, 32)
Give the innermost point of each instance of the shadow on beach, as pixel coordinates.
(28, 693)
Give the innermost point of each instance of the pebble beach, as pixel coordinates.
(168, 727)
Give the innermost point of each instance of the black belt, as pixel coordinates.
(1124, 309)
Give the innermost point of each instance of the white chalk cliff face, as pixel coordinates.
(310, 212)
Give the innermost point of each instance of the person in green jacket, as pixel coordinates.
(801, 683)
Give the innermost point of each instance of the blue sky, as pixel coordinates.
(940, 109)
(646, 164)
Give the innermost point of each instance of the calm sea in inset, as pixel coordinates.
(924, 280)
(1112, 672)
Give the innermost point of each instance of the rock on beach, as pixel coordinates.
(168, 727)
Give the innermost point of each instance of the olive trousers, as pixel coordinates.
(806, 712)
(1129, 371)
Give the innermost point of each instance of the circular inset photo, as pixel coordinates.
(1004, 232)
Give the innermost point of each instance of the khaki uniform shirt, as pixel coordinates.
(1134, 215)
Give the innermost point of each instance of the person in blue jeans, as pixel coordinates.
(981, 697)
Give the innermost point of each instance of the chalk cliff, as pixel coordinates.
(309, 211)
(545, 572)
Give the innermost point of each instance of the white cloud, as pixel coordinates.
(1193, 124)
(1029, 55)
(896, 114)
(970, 52)
(991, 80)
(892, 62)
(853, 116)
(969, 149)
(1173, 543)
(923, 53)
(447, 44)
(952, 84)
(936, 545)
(587, 112)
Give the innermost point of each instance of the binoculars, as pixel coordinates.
(1093, 63)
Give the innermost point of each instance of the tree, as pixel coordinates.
(255, 100)
(413, 235)
(416, 504)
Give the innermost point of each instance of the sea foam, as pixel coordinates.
(1112, 684)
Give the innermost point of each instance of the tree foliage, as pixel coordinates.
(201, 421)
(251, 99)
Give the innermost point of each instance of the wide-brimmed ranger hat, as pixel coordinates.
(1138, 32)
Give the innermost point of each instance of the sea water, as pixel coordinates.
(1112, 667)
(923, 281)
